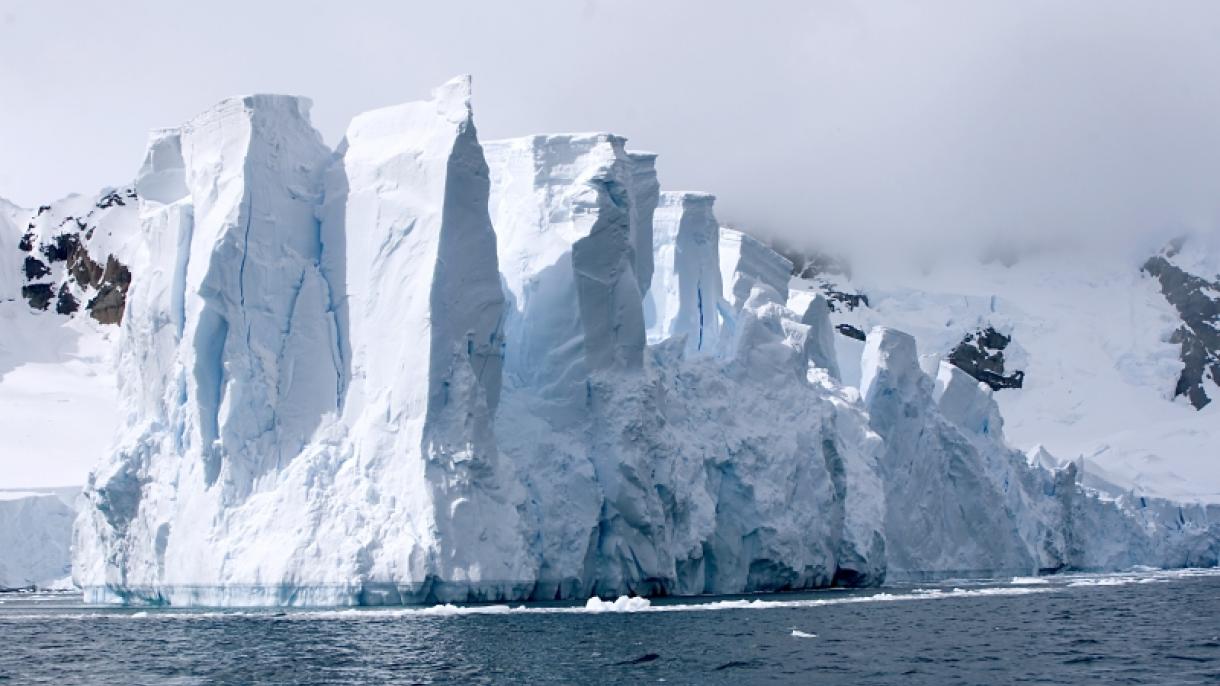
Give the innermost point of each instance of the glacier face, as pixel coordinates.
(420, 368)
(35, 532)
(686, 294)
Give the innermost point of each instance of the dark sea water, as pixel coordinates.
(1134, 628)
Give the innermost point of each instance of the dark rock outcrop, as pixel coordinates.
(111, 300)
(35, 268)
(60, 268)
(66, 303)
(851, 331)
(1197, 301)
(981, 355)
(39, 295)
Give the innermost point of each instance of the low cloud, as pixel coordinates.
(856, 124)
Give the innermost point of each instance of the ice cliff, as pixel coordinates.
(419, 368)
(35, 531)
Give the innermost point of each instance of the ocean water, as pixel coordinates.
(1143, 627)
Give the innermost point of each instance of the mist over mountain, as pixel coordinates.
(949, 126)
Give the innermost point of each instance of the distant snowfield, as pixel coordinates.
(58, 397)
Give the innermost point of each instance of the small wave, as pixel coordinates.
(593, 606)
(1108, 581)
(797, 633)
(1028, 581)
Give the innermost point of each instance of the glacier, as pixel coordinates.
(421, 368)
(35, 532)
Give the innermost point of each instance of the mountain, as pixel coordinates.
(1102, 356)
(425, 368)
(63, 283)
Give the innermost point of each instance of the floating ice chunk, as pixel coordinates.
(619, 604)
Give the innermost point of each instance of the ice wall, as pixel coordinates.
(684, 299)
(820, 344)
(746, 263)
(411, 258)
(218, 388)
(566, 230)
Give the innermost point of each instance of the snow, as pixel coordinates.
(1091, 333)
(57, 374)
(566, 236)
(35, 530)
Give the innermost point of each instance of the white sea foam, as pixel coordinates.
(1053, 584)
(1028, 581)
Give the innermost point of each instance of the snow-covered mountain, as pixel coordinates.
(63, 283)
(424, 368)
(1107, 357)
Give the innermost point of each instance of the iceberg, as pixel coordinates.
(424, 369)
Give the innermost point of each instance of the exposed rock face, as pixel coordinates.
(827, 271)
(981, 355)
(1197, 301)
(67, 242)
(850, 331)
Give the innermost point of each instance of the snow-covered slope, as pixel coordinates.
(1091, 338)
(63, 282)
(418, 369)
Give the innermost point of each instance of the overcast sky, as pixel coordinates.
(879, 119)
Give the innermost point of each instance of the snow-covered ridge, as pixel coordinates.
(418, 369)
